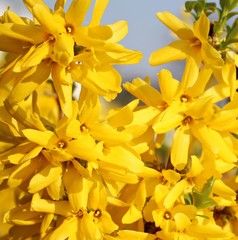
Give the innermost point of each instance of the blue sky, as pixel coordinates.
(146, 33)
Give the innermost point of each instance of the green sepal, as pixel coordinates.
(201, 199)
(188, 199)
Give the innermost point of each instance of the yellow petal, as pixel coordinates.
(45, 177)
(34, 57)
(111, 136)
(63, 85)
(126, 158)
(22, 215)
(165, 78)
(181, 140)
(56, 189)
(85, 148)
(89, 106)
(119, 29)
(196, 167)
(31, 80)
(169, 119)
(59, 4)
(201, 27)
(179, 27)
(132, 215)
(27, 33)
(214, 142)
(175, 193)
(77, 12)
(63, 51)
(105, 81)
(48, 206)
(39, 137)
(211, 56)
(53, 24)
(77, 189)
(221, 189)
(181, 221)
(144, 91)
(46, 224)
(176, 50)
(66, 229)
(123, 116)
(23, 172)
(190, 74)
(98, 10)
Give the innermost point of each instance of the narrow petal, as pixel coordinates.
(181, 140)
(104, 132)
(59, 4)
(190, 74)
(124, 116)
(63, 85)
(175, 193)
(168, 119)
(77, 189)
(84, 148)
(66, 229)
(89, 106)
(98, 11)
(53, 24)
(23, 172)
(105, 81)
(176, 50)
(27, 119)
(63, 51)
(44, 178)
(30, 81)
(179, 27)
(22, 215)
(39, 137)
(144, 91)
(211, 56)
(35, 57)
(119, 29)
(48, 206)
(165, 78)
(77, 11)
(126, 158)
(214, 142)
(201, 27)
(27, 33)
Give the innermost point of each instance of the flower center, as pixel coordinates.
(80, 213)
(167, 215)
(84, 129)
(69, 28)
(185, 98)
(62, 144)
(187, 121)
(97, 213)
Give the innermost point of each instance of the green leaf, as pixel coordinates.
(210, 8)
(188, 199)
(233, 30)
(201, 199)
(222, 3)
(231, 14)
(190, 5)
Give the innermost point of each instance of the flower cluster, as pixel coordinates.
(163, 166)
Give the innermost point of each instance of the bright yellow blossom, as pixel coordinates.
(57, 43)
(193, 42)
